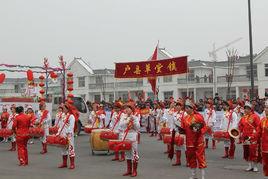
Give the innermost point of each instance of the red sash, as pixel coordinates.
(43, 117)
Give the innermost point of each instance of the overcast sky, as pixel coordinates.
(106, 31)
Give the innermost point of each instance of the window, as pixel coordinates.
(16, 88)
(99, 80)
(266, 69)
(191, 75)
(167, 79)
(125, 97)
(111, 98)
(254, 71)
(81, 81)
(168, 94)
(56, 100)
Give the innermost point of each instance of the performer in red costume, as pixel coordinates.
(194, 127)
(248, 128)
(21, 129)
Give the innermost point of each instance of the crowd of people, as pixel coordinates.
(183, 125)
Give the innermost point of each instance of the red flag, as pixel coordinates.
(152, 80)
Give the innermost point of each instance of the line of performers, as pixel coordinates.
(21, 123)
(183, 128)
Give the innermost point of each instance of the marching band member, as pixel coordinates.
(44, 121)
(10, 122)
(161, 122)
(154, 117)
(194, 127)
(168, 117)
(179, 116)
(114, 125)
(97, 116)
(131, 125)
(229, 121)
(248, 128)
(262, 137)
(210, 119)
(66, 129)
(30, 113)
(20, 127)
(4, 118)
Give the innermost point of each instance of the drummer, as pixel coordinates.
(210, 119)
(229, 121)
(96, 117)
(66, 129)
(114, 126)
(10, 122)
(131, 125)
(179, 116)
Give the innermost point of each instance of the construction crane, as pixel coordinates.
(214, 57)
(214, 50)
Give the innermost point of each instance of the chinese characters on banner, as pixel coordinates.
(155, 68)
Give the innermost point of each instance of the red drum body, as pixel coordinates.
(36, 132)
(165, 130)
(6, 132)
(119, 145)
(57, 141)
(108, 135)
(179, 140)
(221, 136)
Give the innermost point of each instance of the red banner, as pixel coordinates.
(171, 66)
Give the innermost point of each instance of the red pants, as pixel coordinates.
(251, 152)
(265, 163)
(22, 149)
(196, 155)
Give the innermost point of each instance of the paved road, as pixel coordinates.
(153, 164)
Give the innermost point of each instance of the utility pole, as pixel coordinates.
(251, 51)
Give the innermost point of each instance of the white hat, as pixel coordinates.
(29, 107)
(247, 104)
(189, 103)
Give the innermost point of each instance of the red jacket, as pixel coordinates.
(248, 125)
(194, 139)
(21, 124)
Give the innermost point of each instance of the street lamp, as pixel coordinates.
(251, 51)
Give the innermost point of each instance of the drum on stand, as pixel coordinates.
(96, 143)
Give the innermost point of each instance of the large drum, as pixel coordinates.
(221, 135)
(36, 132)
(119, 145)
(6, 132)
(96, 143)
(57, 141)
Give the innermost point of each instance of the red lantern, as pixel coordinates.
(2, 77)
(70, 95)
(41, 85)
(30, 76)
(70, 82)
(53, 75)
(42, 91)
(70, 89)
(70, 74)
(41, 77)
